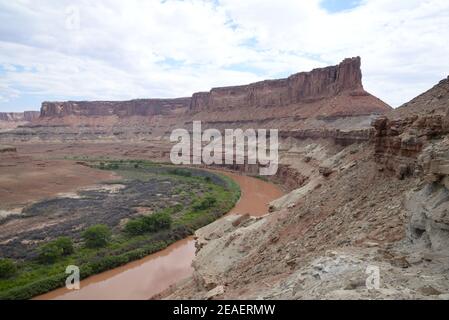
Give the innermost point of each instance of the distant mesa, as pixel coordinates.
(298, 88)
(334, 91)
(19, 116)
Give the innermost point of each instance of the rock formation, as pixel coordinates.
(11, 120)
(380, 202)
(433, 101)
(323, 103)
(298, 88)
(19, 116)
(140, 107)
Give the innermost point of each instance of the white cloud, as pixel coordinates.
(130, 49)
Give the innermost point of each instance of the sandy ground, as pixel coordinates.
(26, 178)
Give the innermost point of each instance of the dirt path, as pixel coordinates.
(146, 277)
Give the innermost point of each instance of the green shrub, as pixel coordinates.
(135, 227)
(152, 223)
(65, 244)
(97, 236)
(181, 172)
(176, 208)
(206, 203)
(52, 251)
(7, 268)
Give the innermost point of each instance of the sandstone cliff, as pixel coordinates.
(19, 116)
(139, 107)
(325, 103)
(307, 100)
(298, 88)
(11, 120)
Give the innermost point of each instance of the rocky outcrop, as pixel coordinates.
(324, 98)
(4, 149)
(140, 107)
(398, 143)
(432, 102)
(340, 137)
(11, 120)
(301, 87)
(428, 206)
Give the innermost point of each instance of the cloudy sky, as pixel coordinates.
(84, 50)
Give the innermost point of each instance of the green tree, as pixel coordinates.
(8, 268)
(97, 236)
(50, 253)
(53, 250)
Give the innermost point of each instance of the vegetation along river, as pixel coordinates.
(146, 277)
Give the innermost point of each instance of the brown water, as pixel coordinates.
(146, 277)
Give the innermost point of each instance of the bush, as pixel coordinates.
(152, 223)
(181, 172)
(7, 268)
(52, 251)
(97, 236)
(206, 203)
(65, 244)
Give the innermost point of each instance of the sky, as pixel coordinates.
(53, 50)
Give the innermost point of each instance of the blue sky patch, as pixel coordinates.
(334, 6)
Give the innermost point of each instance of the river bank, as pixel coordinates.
(144, 278)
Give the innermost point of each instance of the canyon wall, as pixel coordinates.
(301, 87)
(138, 107)
(19, 116)
(12, 120)
(327, 103)
(325, 94)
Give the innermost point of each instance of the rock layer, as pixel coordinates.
(19, 116)
(139, 107)
(298, 88)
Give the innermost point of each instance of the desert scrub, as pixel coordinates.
(178, 203)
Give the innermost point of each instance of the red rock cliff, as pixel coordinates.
(19, 116)
(301, 87)
(140, 107)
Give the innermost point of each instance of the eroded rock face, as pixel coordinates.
(428, 207)
(19, 116)
(429, 217)
(12, 120)
(398, 143)
(301, 87)
(140, 107)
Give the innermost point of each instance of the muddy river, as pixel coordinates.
(144, 278)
